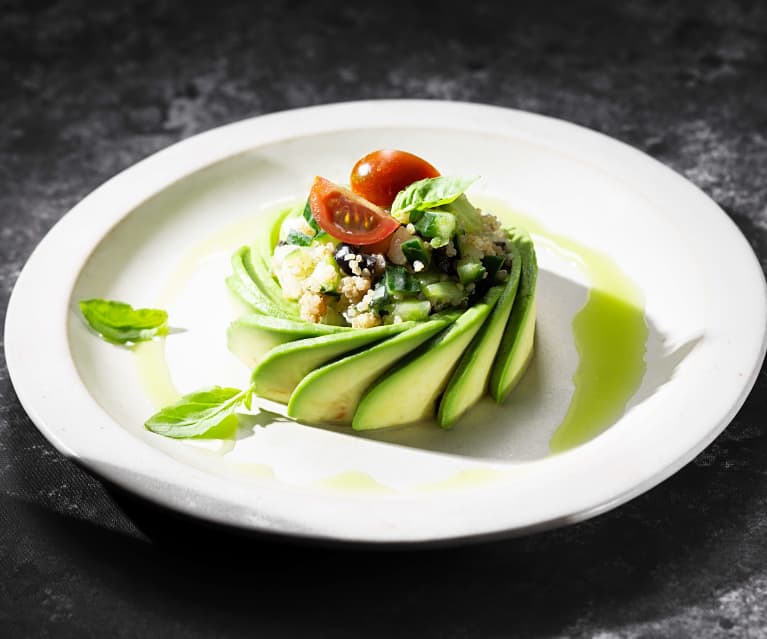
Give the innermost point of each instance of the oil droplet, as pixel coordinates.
(467, 478)
(354, 481)
(251, 470)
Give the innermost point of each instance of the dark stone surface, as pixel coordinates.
(86, 91)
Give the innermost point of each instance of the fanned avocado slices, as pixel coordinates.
(469, 381)
(283, 367)
(386, 375)
(251, 282)
(330, 394)
(516, 347)
(252, 336)
(410, 392)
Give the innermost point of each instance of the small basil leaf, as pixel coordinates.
(298, 238)
(312, 222)
(309, 217)
(207, 413)
(120, 323)
(428, 194)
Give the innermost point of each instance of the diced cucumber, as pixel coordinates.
(426, 277)
(436, 225)
(399, 282)
(444, 293)
(299, 269)
(470, 271)
(416, 250)
(411, 310)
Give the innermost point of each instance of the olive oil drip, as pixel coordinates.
(610, 333)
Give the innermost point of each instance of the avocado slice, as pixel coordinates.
(258, 270)
(469, 381)
(283, 367)
(257, 288)
(330, 394)
(516, 347)
(245, 300)
(252, 283)
(410, 392)
(252, 336)
(249, 290)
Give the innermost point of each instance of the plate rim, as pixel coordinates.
(221, 511)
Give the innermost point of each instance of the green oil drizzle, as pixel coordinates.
(354, 481)
(464, 479)
(610, 333)
(154, 373)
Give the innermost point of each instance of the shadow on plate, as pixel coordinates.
(521, 428)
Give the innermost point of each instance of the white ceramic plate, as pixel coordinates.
(161, 232)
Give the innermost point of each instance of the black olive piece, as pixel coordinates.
(443, 262)
(341, 252)
(367, 260)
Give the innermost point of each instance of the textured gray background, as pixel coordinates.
(86, 91)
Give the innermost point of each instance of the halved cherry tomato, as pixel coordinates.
(349, 217)
(380, 175)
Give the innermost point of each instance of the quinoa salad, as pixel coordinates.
(351, 261)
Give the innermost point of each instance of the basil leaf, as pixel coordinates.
(309, 217)
(120, 323)
(206, 413)
(312, 222)
(428, 194)
(298, 238)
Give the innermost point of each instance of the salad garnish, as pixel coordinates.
(120, 323)
(204, 413)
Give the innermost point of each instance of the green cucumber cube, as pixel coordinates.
(416, 250)
(411, 310)
(444, 293)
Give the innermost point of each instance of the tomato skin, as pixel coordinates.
(380, 175)
(348, 217)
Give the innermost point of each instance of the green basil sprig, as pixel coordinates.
(120, 323)
(206, 413)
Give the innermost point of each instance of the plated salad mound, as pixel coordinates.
(386, 302)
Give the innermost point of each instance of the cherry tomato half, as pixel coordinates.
(380, 175)
(347, 216)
